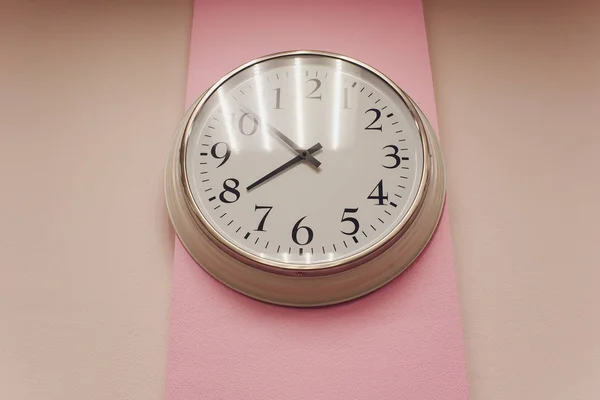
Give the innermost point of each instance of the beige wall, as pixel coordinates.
(518, 87)
(85, 248)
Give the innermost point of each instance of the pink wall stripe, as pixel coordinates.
(403, 341)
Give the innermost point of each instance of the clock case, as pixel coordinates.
(302, 285)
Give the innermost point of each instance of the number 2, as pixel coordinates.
(318, 85)
(377, 116)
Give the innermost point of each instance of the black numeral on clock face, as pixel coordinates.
(352, 220)
(230, 194)
(214, 151)
(380, 196)
(298, 228)
(377, 116)
(261, 224)
(393, 155)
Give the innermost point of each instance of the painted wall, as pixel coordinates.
(85, 247)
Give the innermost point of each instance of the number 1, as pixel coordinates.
(346, 106)
(277, 99)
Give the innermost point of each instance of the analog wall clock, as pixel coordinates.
(305, 178)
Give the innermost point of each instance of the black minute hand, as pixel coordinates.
(285, 166)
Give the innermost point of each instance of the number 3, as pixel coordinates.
(394, 155)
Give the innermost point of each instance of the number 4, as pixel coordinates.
(380, 197)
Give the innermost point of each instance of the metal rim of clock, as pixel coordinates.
(183, 209)
(325, 265)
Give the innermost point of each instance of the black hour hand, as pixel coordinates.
(303, 155)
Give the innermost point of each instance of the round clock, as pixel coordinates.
(305, 179)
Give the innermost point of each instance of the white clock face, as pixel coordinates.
(304, 161)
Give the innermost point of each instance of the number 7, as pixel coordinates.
(261, 224)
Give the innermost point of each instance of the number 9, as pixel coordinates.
(224, 157)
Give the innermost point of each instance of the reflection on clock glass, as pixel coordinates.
(304, 160)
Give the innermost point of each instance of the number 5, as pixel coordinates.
(350, 219)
